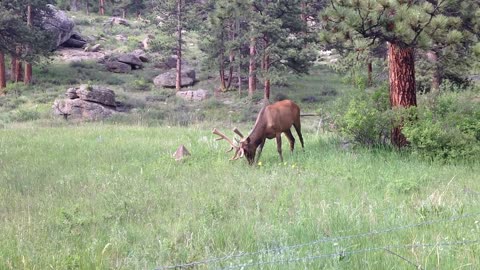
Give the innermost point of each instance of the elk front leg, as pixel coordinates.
(259, 151)
(279, 145)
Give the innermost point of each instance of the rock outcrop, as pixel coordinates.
(118, 67)
(168, 79)
(193, 95)
(62, 29)
(86, 103)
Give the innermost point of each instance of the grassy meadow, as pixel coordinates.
(102, 196)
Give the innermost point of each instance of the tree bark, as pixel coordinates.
(73, 5)
(239, 65)
(252, 68)
(436, 77)
(102, 7)
(369, 70)
(401, 66)
(13, 63)
(266, 67)
(178, 81)
(3, 81)
(17, 66)
(27, 79)
(222, 72)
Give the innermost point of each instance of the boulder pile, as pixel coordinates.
(86, 103)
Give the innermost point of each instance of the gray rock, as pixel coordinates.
(193, 95)
(131, 59)
(118, 67)
(78, 109)
(95, 48)
(60, 25)
(141, 55)
(168, 79)
(74, 43)
(171, 62)
(71, 93)
(96, 94)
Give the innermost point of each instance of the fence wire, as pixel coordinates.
(345, 253)
(284, 249)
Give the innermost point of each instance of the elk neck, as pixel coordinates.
(257, 135)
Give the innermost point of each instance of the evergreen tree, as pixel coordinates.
(177, 16)
(404, 25)
(16, 35)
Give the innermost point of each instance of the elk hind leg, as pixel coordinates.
(298, 129)
(279, 146)
(291, 139)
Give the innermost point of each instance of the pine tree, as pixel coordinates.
(404, 25)
(177, 16)
(16, 35)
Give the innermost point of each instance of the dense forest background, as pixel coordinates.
(426, 50)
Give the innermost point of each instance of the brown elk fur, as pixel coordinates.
(272, 121)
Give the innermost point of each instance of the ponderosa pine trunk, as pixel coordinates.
(73, 5)
(266, 69)
(370, 71)
(13, 63)
(221, 72)
(102, 7)
(17, 66)
(401, 73)
(27, 79)
(432, 56)
(252, 68)
(3, 79)
(178, 81)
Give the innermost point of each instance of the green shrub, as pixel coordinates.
(445, 127)
(367, 119)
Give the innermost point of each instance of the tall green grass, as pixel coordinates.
(99, 196)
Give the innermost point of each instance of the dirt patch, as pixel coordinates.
(76, 55)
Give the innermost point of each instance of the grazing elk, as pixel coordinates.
(272, 121)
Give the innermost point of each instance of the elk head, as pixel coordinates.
(239, 152)
(242, 147)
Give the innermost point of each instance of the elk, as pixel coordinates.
(272, 121)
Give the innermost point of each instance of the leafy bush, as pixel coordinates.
(367, 119)
(446, 127)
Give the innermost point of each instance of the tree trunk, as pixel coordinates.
(436, 77)
(17, 66)
(13, 63)
(3, 81)
(102, 7)
(221, 63)
(369, 70)
(87, 7)
(239, 65)
(124, 13)
(221, 72)
(27, 79)
(73, 5)
(266, 67)
(401, 73)
(178, 81)
(252, 68)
